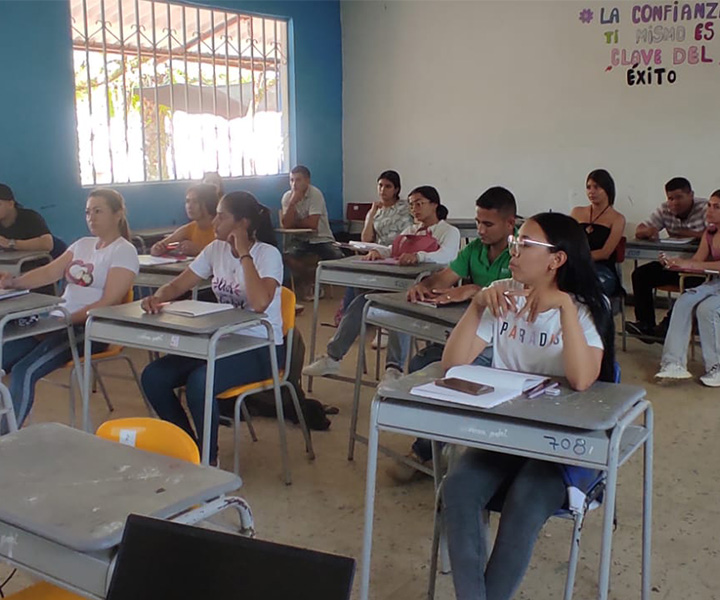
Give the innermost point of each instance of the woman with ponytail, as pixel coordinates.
(247, 272)
(552, 319)
(98, 270)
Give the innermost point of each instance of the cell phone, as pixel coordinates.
(464, 386)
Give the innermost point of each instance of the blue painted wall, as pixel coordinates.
(38, 148)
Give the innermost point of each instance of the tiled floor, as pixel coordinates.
(323, 508)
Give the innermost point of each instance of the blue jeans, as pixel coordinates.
(161, 377)
(349, 330)
(531, 491)
(428, 355)
(29, 360)
(609, 281)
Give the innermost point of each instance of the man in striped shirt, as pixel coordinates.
(682, 216)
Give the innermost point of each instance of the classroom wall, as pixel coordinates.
(38, 156)
(464, 95)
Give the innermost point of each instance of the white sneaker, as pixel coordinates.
(383, 341)
(391, 374)
(673, 372)
(322, 366)
(712, 377)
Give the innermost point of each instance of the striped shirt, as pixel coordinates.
(662, 218)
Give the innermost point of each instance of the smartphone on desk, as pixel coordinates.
(464, 386)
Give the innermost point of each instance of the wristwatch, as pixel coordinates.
(11, 244)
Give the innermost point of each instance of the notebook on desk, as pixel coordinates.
(507, 385)
(195, 308)
(164, 560)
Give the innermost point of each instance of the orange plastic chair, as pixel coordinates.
(44, 591)
(152, 435)
(241, 392)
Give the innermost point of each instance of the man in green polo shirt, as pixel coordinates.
(482, 261)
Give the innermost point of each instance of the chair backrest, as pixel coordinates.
(153, 435)
(617, 372)
(357, 211)
(620, 250)
(287, 300)
(59, 246)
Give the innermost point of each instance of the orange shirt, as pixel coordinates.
(201, 237)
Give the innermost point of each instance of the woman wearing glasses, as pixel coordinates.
(553, 319)
(430, 239)
(604, 227)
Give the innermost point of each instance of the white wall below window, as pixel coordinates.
(463, 95)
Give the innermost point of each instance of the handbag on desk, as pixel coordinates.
(412, 243)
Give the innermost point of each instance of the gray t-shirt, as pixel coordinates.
(312, 204)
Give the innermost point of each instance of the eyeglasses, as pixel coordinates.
(515, 244)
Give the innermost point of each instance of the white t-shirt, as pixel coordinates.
(446, 235)
(533, 347)
(312, 204)
(228, 280)
(87, 272)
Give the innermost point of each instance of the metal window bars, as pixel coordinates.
(167, 91)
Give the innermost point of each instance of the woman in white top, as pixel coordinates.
(441, 242)
(551, 319)
(247, 272)
(99, 271)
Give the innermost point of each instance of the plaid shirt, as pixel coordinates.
(662, 218)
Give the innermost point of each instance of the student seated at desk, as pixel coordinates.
(385, 220)
(558, 325)
(99, 271)
(683, 216)
(704, 300)
(482, 261)
(21, 228)
(200, 205)
(430, 239)
(303, 207)
(247, 272)
(604, 227)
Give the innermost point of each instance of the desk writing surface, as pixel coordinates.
(77, 489)
(596, 409)
(449, 313)
(155, 231)
(14, 256)
(354, 263)
(30, 301)
(662, 247)
(133, 314)
(170, 268)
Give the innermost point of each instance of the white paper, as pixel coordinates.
(676, 241)
(367, 246)
(148, 260)
(507, 384)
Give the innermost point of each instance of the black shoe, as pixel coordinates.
(645, 333)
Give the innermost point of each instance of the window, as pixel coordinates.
(168, 91)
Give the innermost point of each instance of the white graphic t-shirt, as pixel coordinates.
(532, 347)
(88, 271)
(228, 280)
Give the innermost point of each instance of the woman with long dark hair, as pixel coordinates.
(604, 227)
(247, 272)
(553, 319)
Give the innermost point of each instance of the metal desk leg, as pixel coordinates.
(313, 332)
(358, 383)
(279, 405)
(647, 503)
(369, 500)
(86, 375)
(608, 515)
(209, 399)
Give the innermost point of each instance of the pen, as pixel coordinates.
(542, 390)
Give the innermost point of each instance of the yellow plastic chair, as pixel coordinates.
(152, 435)
(241, 392)
(44, 591)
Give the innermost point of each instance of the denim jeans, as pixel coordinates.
(705, 300)
(349, 330)
(161, 377)
(430, 354)
(29, 360)
(531, 491)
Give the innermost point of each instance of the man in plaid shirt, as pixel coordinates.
(683, 216)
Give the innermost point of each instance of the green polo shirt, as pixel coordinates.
(473, 262)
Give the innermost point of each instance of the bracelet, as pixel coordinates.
(245, 256)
